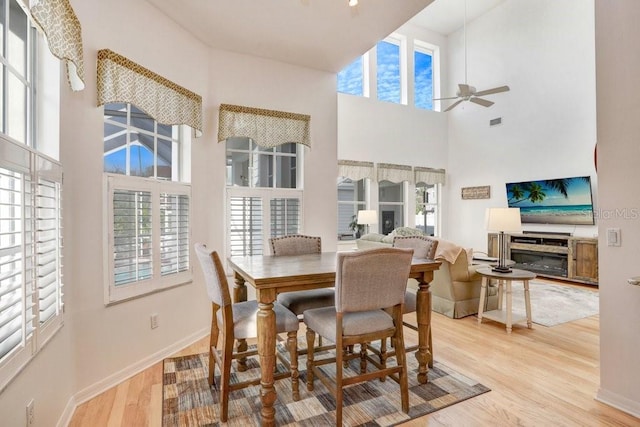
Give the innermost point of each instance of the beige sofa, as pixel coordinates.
(455, 289)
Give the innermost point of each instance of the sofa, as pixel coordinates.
(455, 289)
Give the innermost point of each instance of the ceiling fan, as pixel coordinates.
(465, 91)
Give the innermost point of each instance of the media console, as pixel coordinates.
(555, 255)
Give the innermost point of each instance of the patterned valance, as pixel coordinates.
(355, 170)
(429, 176)
(267, 128)
(63, 32)
(395, 173)
(122, 80)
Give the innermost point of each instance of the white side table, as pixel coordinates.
(500, 315)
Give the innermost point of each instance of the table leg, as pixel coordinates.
(509, 307)
(240, 295)
(500, 296)
(483, 295)
(527, 304)
(266, 322)
(424, 354)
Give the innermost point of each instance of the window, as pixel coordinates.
(423, 77)
(148, 209)
(351, 78)
(391, 205)
(263, 195)
(427, 208)
(31, 297)
(390, 79)
(351, 199)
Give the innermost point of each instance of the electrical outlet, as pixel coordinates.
(30, 413)
(154, 321)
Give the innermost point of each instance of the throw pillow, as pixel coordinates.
(407, 231)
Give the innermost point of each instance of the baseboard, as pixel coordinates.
(131, 370)
(619, 402)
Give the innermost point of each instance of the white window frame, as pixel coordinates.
(400, 41)
(157, 282)
(434, 52)
(403, 205)
(435, 204)
(178, 185)
(356, 204)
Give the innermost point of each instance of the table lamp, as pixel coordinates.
(503, 220)
(367, 218)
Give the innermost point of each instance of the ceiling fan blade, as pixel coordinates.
(481, 101)
(453, 105)
(440, 99)
(464, 88)
(492, 91)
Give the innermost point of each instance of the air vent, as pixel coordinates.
(495, 122)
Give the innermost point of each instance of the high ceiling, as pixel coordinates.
(321, 34)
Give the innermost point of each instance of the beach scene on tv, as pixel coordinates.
(553, 201)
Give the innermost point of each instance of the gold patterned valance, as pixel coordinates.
(394, 173)
(267, 128)
(355, 170)
(122, 80)
(429, 176)
(63, 32)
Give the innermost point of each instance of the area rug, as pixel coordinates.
(188, 400)
(555, 304)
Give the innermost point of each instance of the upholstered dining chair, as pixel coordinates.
(238, 321)
(299, 301)
(423, 247)
(367, 283)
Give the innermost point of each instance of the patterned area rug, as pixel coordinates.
(555, 304)
(188, 401)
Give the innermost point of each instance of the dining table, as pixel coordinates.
(271, 275)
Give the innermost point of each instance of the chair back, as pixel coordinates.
(295, 244)
(214, 276)
(423, 246)
(371, 279)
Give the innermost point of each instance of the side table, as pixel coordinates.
(499, 315)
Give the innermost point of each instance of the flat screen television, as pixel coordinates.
(553, 201)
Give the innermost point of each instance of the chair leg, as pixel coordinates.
(311, 338)
(402, 361)
(212, 366)
(383, 356)
(363, 358)
(292, 343)
(430, 363)
(213, 345)
(225, 378)
(339, 395)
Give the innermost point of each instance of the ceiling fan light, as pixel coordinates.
(353, 3)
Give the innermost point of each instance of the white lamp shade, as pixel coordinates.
(503, 219)
(368, 217)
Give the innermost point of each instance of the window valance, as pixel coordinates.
(429, 176)
(355, 170)
(122, 80)
(394, 173)
(267, 128)
(63, 33)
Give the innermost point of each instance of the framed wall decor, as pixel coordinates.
(482, 192)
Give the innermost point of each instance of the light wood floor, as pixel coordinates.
(538, 377)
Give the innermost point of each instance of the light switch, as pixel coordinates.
(613, 237)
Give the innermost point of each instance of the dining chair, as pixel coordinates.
(299, 301)
(367, 282)
(238, 321)
(423, 247)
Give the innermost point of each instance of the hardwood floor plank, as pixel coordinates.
(545, 376)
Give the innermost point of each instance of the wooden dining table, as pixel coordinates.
(271, 275)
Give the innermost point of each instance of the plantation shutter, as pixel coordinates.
(174, 233)
(246, 231)
(48, 249)
(285, 216)
(132, 230)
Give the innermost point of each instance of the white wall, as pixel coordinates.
(544, 50)
(100, 345)
(617, 68)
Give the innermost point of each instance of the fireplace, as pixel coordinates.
(547, 263)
